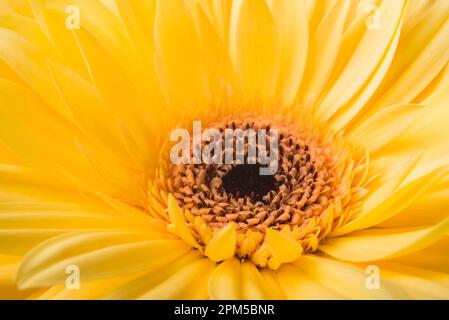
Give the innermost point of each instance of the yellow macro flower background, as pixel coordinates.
(85, 121)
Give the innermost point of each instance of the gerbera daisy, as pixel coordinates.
(91, 90)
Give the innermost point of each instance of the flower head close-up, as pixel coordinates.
(224, 149)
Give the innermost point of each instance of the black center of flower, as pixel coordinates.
(245, 180)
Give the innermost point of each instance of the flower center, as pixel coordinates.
(318, 184)
(303, 186)
(245, 180)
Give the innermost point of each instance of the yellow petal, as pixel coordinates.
(101, 45)
(377, 244)
(428, 130)
(421, 55)
(376, 211)
(16, 7)
(139, 25)
(8, 269)
(178, 219)
(29, 121)
(21, 184)
(324, 45)
(221, 10)
(254, 47)
(291, 22)
(19, 241)
(272, 284)
(216, 58)
(386, 125)
(23, 119)
(346, 280)
(366, 60)
(283, 247)
(225, 281)
(85, 103)
(98, 255)
(418, 283)
(222, 245)
(189, 282)
(13, 293)
(22, 225)
(184, 84)
(433, 257)
(253, 284)
(92, 290)
(296, 285)
(149, 280)
(438, 86)
(30, 63)
(427, 210)
(43, 215)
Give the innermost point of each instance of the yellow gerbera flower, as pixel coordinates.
(90, 92)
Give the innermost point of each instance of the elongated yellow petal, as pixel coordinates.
(377, 212)
(92, 290)
(85, 104)
(222, 245)
(272, 283)
(225, 281)
(17, 7)
(253, 284)
(23, 225)
(376, 244)
(366, 58)
(8, 269)
(324, 46)
(30, 63)
(98, 255)
(215, 55)
(22, 184)
(435, 202)
(283, 247)
(31, 30)
(24, 240)
(25, 129)
(418, 283)
(178, 219)
(421, 55)
(63, 220)
(102, 45)
(433, 257)
(430, 125)
(345, 279)
(139, 30)
(184, 84)
(189, 282)
(151, 279)
(387, 124)
(12, 293)
(296, 285)
(254, 47)
(221, 11)
(291, 21)
(21, 109)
